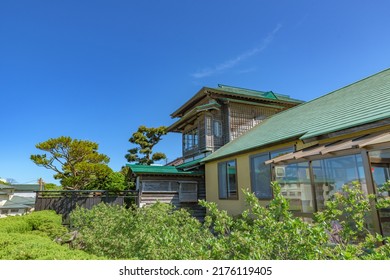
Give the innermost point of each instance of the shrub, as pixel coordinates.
(162, 232)
(14, 224)
(30, 237)
(154, 232)
(16, 246)
(263, 233)
(46, 223)
(274, 233)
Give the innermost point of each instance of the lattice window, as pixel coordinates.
(188, 191)
(159, 186)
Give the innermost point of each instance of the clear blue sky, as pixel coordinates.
(98, 69)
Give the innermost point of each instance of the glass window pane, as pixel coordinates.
(294, 180)
(196, 138)
(261, 173)
(222, 190)
(380, 168)
(281, 152)
(331, 174)
(227, 179)
(261, 176)
(232, 183)
(217, 129)
(159, 186)
(208, 126)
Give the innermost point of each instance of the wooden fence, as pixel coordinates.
(64, 202)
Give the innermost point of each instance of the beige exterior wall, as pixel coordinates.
(235, 207)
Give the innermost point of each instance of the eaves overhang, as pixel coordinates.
(192, 115)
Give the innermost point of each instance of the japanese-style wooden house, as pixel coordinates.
(207, 121)
(312, 150)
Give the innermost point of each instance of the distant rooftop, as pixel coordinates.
(158, 170)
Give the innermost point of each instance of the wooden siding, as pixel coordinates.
(244, 117)
(234, 119)
(208, 141)
(148, 198)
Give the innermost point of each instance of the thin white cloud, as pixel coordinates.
(233, 62)
(247, 70)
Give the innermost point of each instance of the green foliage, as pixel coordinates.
(155, 232)
(76, 162)
(16, 246)
(347, 213)
(383, 198)
(114, 181)
(146, 138)
(52, 187)
(339, 232)
(160, 231)
(263, 233)
(14, 224)
(46, 223)
(30, 237)
(129, 179)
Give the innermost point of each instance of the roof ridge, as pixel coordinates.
(264, 94)
(323, 96)
(222, 86)
(347, 86)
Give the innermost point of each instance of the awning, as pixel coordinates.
(355, 143)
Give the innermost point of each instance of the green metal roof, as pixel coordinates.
(193, 113)
(365, 101)
(6, 187)
(189, 164)
(23, 200)
(25, 187)
(235, 92)
(258, 93)
(160, 170)
(10, 205)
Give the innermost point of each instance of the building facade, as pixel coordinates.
(207, 121)
(312, 150)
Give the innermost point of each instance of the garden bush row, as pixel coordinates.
(31, 237)
(161, 232)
